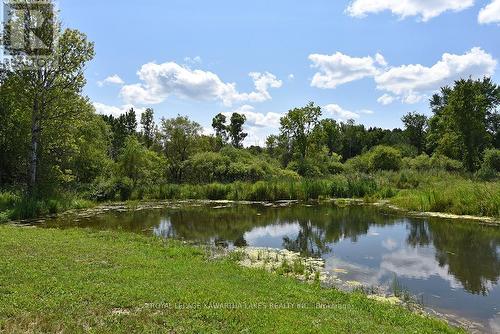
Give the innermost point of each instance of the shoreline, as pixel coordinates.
(164, 204)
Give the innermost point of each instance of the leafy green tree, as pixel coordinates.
(41, 88)
(352, 139)
(462, 122)
(330, 135)
(180, 137)
(298, 125)
(148, 127)
(416, 130)
(272, 143)
(122, 127)
(220, 127)
(235, 130)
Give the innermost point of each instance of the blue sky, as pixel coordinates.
(373, 60)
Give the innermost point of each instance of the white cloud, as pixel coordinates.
(104, 109)
(162, 80)
(291, 76)
(412, 82)
(113, 79)
(424, 9)
(386, 99)
(271, 119)
(490, 13)
(194, 60)
(340, 113)
(380, 59)
(407, 83)
(338, 69)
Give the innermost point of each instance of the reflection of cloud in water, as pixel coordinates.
(411, 263)
(356, 272)
(495, 324)
(273, 231)
(408, 263)
(165, 229)
(390, 244)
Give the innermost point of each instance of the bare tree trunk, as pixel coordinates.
(33, 158)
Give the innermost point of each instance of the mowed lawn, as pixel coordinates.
(75, 281)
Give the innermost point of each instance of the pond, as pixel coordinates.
(452, 266)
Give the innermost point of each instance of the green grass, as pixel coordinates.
(77, 281)
(455, 196)
(14, 206)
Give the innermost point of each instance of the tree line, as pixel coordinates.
(51, 138)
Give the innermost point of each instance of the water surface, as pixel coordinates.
(452, 266)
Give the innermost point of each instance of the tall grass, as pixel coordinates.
(15, 206)
(306, 189)
(435, 191)
(461, 197)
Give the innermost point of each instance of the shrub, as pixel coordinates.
(125, 188)
(306, 168)
(420, 163)
(442, 162)
(360, 163)
(336, 167)
(385, 158)
(8, 200)
(492, 160)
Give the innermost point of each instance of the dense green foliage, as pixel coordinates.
(116, 282)
(54, 145)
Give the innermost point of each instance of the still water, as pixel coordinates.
(452, 266)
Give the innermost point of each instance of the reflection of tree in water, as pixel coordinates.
(469, 251)
(164, 229)
(240, 242)
(419, 234)
(310, 241)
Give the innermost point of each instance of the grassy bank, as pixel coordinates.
(412, 190)
(79, 281)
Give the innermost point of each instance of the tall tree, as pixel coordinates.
(298, 125)
(463, 119)
(179, 136)
(121, 127)
(41, 85)
(330, 135)
(148, 127)
(236, 130)
(352, 138)
(416, 129)
(220, 127)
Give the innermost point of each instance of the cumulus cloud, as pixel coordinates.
(407, 83)
(411, 82)
(386, 99)
(270, 119)
(340, 113)
(490, 13)
(113, 79)
(162, 80)
(338, 69)
(425, 10)
(104, 109)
